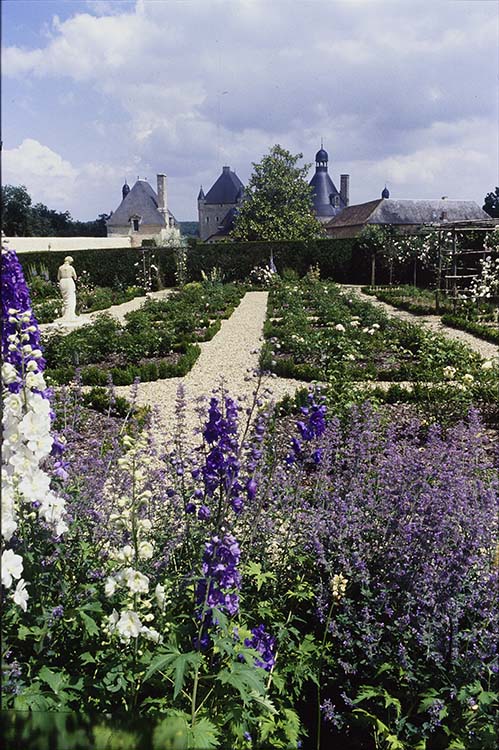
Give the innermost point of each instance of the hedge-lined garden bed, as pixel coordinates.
(160, 340)
(410, 298)
(488, 332)
(316, 331)
(422, 302)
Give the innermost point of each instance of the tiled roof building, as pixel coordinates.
(407, 215)
(328, 201)
(218, 207)
(143, 213)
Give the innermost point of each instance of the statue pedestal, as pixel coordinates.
(60, 323)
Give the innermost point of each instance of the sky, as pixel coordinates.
(402, 92)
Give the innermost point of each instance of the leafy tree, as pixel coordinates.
(374, 239)
(277, 203)
(20, 218)
(16, 210)
(491, 203)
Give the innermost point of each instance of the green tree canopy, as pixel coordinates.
(277, 202)
(491, 203)
(16, 210)
(21, 219)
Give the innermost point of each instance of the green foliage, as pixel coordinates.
(488, 333)
(277, 201)
(16, 210)
(115, 268)
(21, 218)
(491, 203)
(159, 340)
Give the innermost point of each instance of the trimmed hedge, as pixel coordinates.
(476, 329)
(105, 267)
(148, 372)
(338, 259)
(341, 260)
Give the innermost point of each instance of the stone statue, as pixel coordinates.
(66, 276)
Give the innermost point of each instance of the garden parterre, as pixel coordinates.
(277, 582)
(157, 341)
(479, 318)
(316, 330)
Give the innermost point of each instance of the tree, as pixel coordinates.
(373, 239)
(16, 211)
(20, 218)
(277, 202)
(491, 203)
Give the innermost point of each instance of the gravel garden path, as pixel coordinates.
(116, 311)
(485, 348)
(232, 355)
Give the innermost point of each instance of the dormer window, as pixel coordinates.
(135, 224)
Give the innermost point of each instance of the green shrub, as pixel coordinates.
(476, 329)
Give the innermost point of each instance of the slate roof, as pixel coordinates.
(407, 212)
(140, 201)
(323, 188)
(226, 189)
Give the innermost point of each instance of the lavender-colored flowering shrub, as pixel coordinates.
(344, 571)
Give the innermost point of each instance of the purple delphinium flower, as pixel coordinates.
(264, 643)
(221, 578)
(221, 469)
(311, 428)
(16, 300)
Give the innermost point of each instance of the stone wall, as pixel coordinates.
(211, 216)
(42, 244)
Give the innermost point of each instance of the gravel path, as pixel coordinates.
(485, 348)
(116, 311)
(119, 311)
(232, 355)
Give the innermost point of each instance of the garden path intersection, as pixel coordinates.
(231, 356)
(485, 349)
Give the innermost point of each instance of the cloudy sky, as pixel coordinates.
(96, 91)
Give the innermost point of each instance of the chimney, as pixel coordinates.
(225, 169)
(345, 188)
(162, 197)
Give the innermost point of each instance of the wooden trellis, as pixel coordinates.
(457, 269)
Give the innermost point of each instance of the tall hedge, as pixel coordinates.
(104, 267)
(338, 259)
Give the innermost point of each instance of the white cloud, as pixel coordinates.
(386, 84)
(41, 170)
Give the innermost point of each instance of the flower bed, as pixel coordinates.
(158, 341)
(410, 298)
(316, 331)
(285, 583)
(488, 332)
(475, 318)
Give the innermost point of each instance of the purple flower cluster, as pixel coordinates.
(264, 643)
(311, 427)
(222, 467)
(218, 589)
(407, 519)
(16, 297)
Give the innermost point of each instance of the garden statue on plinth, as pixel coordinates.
(66, 276)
